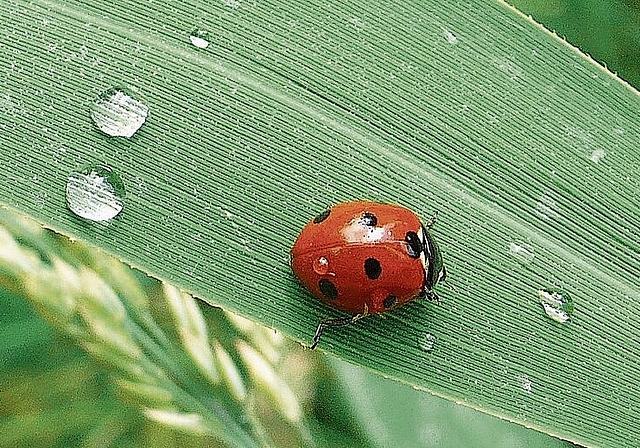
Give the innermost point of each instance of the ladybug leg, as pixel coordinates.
(431, 221)
(443, 274)
(337, 322)
(432, 296)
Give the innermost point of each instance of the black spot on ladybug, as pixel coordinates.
(322, 216)
(414, 245)
(369, 220)
(372, 268)
(390, 301)
(328, 289)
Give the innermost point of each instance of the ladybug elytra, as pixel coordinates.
(365, 258)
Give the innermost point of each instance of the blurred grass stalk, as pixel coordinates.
(100, 303)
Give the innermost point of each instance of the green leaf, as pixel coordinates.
(525, 146)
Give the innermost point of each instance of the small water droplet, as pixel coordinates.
(526, 383)
(357, 23)
(510, 68)
(232, 3)
(546, 207)
(523, 251)
(118, 114)
(199, 38)
(428, 342)
(557, 305)
(321, 266)
(597, 155)
(95, 193)
(451, 38)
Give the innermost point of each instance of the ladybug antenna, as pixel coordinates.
(432, 220)
(336, 322)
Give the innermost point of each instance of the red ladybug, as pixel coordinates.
(366, 258)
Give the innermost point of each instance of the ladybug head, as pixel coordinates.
(431, 258)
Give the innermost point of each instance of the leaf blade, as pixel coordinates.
(496, 131)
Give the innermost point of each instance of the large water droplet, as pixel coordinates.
(557, 305)
(199, 38)
(95, 193)
(118, 114)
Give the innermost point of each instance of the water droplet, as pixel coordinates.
(199, 38)
(523, 251)
(95, 193)
(596, 155)
(526, 383)
(118, 114)
(357, 23)
(428, 342)
(321, 266)
(451, 38)
(232, 3)
(555, 313)
(557, 305)
(510, 68)
(546, 207)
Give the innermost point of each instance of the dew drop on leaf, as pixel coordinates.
(557, 306)
(522, 251)
(232, 3)
(451, 38)
(118, 113)
(526, 383)
(199, 39)
(428, 342)
(95, 193)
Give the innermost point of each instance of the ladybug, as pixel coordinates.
(365, 258)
